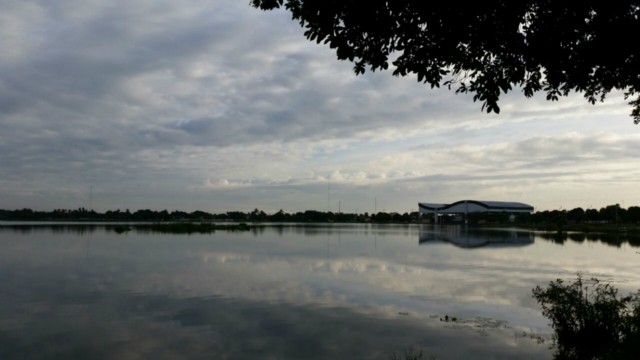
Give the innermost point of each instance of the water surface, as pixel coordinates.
(288, 292)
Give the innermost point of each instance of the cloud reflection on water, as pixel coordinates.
(267, 292)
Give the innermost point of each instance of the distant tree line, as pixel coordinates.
(611, 214)
(256, 215)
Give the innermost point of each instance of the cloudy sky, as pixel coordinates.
(214, 105)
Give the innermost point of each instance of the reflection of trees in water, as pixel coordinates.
(616, 239)
(79, 229)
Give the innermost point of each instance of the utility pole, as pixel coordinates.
(328, 195)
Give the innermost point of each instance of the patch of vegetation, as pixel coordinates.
(411, 355)
(590, 320)
(201, 228)
(121, 229)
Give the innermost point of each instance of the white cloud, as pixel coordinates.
(154, 102)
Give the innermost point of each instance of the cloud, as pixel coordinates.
(179, 97)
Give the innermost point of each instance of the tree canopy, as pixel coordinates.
(485, 48)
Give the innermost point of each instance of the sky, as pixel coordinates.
(217, 106)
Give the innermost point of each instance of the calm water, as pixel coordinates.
(321, 292)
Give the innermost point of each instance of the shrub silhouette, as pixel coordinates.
(590, 320)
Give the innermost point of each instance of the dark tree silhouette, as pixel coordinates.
(590, 319)
(485, 47)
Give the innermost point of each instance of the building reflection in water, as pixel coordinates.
(463, 237)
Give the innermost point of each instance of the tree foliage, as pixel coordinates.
(590, 320)
(485, 48)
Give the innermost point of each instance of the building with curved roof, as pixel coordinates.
(474, 206)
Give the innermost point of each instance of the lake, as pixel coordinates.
(320, 291)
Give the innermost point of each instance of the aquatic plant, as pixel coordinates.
(121, 229)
